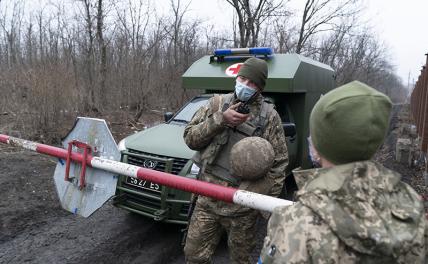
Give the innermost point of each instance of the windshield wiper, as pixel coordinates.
(180, 121)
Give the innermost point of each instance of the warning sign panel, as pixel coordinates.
(233, 69)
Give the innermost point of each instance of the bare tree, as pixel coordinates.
(12, 32)
(334, 47)
(102, 47)
(283, 32)
(323, 15)
(251, 17)
(176, 26)
(89, 99)
(140, 57)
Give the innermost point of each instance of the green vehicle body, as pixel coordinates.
(294, 84)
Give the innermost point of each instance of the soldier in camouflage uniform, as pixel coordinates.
(213, 131)
(352, 210)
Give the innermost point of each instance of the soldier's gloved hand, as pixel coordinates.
(232, 117)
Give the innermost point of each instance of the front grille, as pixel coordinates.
(185, 209)
(148, 204)
(154, 204)
(177, 163)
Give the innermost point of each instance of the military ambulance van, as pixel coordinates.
(294, 85)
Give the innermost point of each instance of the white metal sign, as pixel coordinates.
(100, 185)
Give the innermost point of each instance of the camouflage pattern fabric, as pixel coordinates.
(205, 126)
(354, 213)
(251, 158)
(201, 131)
(304, 176)
(206, 229)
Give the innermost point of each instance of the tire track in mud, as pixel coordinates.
(110, 236)
(143, 241)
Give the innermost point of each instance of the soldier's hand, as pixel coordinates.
(232, 117)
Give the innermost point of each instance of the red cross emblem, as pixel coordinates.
(233, 69)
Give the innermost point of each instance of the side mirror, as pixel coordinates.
(167, 116)
(289, 129)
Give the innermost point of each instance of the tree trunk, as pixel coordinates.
(103, 54)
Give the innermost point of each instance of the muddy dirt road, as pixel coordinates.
(35, 229)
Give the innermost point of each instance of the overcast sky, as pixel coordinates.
(400, 24)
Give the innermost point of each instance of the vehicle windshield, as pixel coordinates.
(186, 114)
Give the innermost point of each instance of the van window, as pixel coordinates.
(187, 112)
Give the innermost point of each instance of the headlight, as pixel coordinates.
(121, 146)
(195, 169)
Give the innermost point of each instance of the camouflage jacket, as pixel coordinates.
(354, 213)
(206, 125)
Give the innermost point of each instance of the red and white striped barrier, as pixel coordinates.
(227, 194)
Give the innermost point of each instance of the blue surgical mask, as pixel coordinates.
(243, 92)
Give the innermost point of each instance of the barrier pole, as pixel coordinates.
(227, 194)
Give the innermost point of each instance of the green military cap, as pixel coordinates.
(256, 70)
(349, 123)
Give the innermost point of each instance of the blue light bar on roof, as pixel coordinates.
(240, 58)
(242, 51)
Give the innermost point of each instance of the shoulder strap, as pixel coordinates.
(265, 112)
(227, 100)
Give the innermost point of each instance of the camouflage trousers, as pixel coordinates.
(206, 229)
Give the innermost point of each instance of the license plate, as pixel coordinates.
(143, 184)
